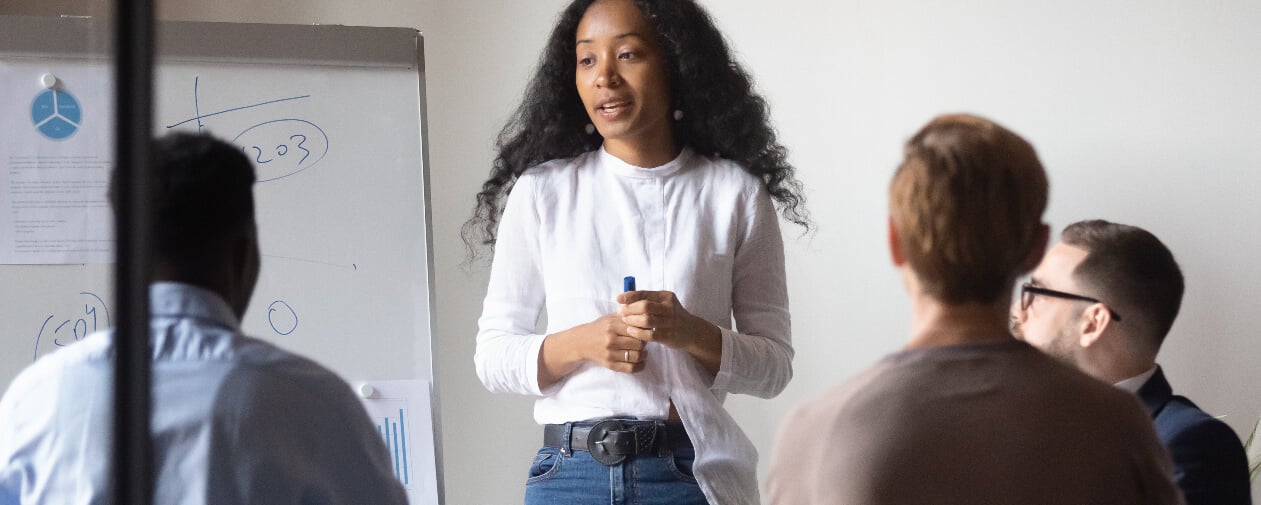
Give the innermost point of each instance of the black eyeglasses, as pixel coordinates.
(1027, 292)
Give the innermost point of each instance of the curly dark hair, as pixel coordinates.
(724, 115)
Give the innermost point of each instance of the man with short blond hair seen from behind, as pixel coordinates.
(1103, 300)
(966, 414)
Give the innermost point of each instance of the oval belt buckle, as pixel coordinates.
(595, 442)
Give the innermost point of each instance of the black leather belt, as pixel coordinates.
(611, 441)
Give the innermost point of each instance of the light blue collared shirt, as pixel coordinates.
(235, 420)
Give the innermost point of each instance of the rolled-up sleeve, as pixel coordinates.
(507, 344)
(757, 355)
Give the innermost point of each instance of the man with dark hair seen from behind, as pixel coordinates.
(235, 420)
(1103, 300)
(964, 413)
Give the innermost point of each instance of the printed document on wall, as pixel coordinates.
(55, 161)
(403, 415)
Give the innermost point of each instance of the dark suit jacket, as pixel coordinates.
(1209, 461)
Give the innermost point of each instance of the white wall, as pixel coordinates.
(1144, 113)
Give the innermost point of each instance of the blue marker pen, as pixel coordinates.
(628, 283)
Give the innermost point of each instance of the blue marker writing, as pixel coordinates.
(628, 283)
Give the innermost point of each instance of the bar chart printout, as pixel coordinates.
(402, 414)
(394, 432)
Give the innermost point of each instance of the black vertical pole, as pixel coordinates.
(133, 78)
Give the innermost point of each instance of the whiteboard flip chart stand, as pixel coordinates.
(333, 118)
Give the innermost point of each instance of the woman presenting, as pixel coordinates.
(640, 149)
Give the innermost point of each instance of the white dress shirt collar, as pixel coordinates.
(1133, 384)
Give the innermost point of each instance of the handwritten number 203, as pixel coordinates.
(283, 149)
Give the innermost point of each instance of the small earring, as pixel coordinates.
(590, 128)
(678, 114)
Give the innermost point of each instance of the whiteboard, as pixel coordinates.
(333, 117)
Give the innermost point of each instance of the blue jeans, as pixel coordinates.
(578, 479)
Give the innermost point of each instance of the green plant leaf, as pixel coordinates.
(1255, 466)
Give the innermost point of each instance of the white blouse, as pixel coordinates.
(700, 227)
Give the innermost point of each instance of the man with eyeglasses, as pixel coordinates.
(1103, 300)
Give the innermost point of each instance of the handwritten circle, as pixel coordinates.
(282, 318)
(283, 147)
(74, 325)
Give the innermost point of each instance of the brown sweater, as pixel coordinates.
(970, 424)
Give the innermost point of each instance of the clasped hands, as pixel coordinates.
(617, 341)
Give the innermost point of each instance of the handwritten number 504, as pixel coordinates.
(78, 327)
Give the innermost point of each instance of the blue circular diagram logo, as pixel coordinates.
(56, 114)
